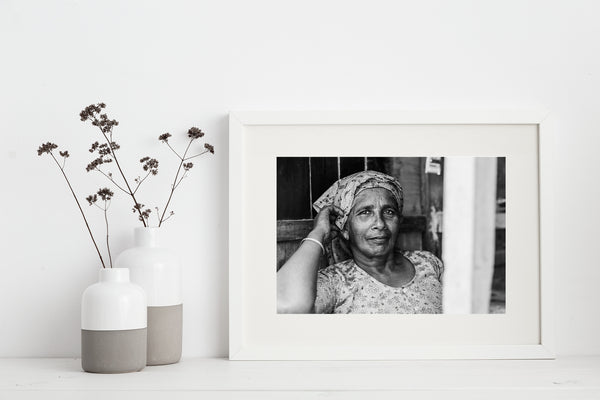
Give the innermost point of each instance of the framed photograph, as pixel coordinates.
(383, 235)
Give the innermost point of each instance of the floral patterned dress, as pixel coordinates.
(345, 288)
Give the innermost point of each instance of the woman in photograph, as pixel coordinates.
(366, 210)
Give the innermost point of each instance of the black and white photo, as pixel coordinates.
(363, 235)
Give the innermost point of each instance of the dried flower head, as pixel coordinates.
(144, 214)
(64, 154)
(97, 162)
(94, 113)
(150, 164)
(103, 149)
(92, 198)
(209, 147)
(105, 194)
(195, 133)
(164, 137)
(188, 166)
(46, 148)
(105, 152)
(91, 111)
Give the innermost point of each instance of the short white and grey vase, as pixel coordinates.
(158, 271)
(113, 324)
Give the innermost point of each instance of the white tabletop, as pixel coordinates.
(566, 377)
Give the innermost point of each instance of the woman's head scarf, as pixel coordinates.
(343, 192)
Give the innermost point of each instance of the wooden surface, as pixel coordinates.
(323, 172)
(294, 186)
(564, 378)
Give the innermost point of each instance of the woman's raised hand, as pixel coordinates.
(324, 221)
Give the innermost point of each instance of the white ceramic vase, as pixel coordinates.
(113, 324)
(157, 270)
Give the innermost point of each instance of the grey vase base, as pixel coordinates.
(164, 334)
(113, 352)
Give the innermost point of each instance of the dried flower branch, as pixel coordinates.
(47, 148)
(150, 165)
(193, 134)
(105, 195)
(107, 153)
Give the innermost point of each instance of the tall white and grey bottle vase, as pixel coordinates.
(158, 271)
(113, 324)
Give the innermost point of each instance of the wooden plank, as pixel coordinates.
(408, 171)
(415, 223)
(432, 195)
(501, 188)
(498, 303)
(293, 199)
(293, 230)
(324, 172)
(351, 165)
(410, 241)
(436, 189)
(430, 238)
(379, 164)
(286, 249)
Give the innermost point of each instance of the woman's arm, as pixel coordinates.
(297, 278)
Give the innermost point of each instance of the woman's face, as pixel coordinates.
(373, 223)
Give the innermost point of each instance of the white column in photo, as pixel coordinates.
(468, 240)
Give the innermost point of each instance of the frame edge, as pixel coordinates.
(238, 349)
(236, 156)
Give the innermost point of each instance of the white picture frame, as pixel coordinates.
(257, 332)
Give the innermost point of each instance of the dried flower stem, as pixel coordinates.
(174, 185)
(79, 205)
(197, 155)
(193, 133)
(112, 180)
(169, 216)
(140, 182)
(106, 221)
(106, 195)
(177, 179)
(114, 156)
(173, 150)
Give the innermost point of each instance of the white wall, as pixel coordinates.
(166, 66)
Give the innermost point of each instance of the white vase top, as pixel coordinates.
(120, 275)
(146, 237)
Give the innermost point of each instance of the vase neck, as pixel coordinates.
(120, 275)
(146, 237)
